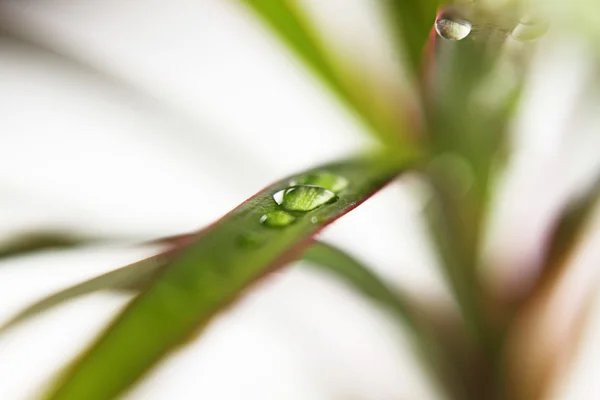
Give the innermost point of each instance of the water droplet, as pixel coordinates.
(452, 28)
(315, 220)
(277, 219)
(530, 29)
(304, 197)
(327, 180)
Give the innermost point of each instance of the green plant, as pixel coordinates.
(451, 138)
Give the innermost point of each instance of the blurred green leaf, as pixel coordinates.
(42, 240)
(566, 238)
(407, 312)
(335, 261)
(131, 278)
(467, 137)
(413, 21)
(571, 226)
(210, 274)
(287, 20)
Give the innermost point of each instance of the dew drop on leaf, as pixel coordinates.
(327, 180)
(452, 28)
(277, 219)
(304, 197)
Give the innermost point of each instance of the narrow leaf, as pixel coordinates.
(288, 21)
(131, 278)
(413, 21)
(333, 260)
(409, 313)
(42, 240)
(568, 232)
(225, 259)
(570, 228)
(467, 136)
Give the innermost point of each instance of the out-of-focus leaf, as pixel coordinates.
(467, 137)
(210, 274)
(286, 18)
(42, 240)
(543, 353)
(333, 260)
(131, 278)
(537, 357)
(570, 228)
(568, 232)
(413, 21)
(405, 310)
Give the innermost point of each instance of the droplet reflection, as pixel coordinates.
(452, 28)
(304, 198)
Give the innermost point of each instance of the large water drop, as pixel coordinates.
(304, 197)
(452, 28)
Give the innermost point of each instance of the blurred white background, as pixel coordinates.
(140, 119)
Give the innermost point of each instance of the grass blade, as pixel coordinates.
(405, 310)
(413, 20)
(467, 136)
(43, 240)
(570, 229)
(210, 274)
(334, 260)
(130, 278)
(543, 353)
(287, 20)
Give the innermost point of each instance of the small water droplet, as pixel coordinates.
(451, 27)
(304, 197)
(277, 219)
(530, 29)
(327, 180)
(315, 220)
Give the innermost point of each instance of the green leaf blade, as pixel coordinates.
(208, 276)
(409, 313)
(413, 21)
(335, 261)
(32, 242)
(130, 278)
(287, 20)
